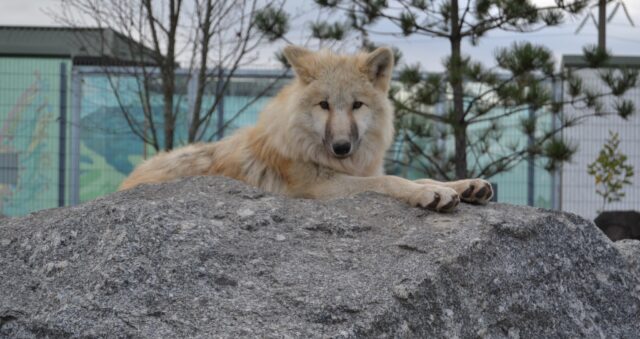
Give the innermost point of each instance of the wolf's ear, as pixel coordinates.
(378, 66)
(298, 58)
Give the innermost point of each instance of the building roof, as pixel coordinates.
(614, 61)
(85, 45)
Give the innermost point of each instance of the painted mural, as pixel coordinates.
(110, 151)
(29, 128)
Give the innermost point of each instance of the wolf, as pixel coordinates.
(323, 136)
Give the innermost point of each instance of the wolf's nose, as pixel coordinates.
(341, 147)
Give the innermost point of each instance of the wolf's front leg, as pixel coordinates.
(434, 197)
(475, 191)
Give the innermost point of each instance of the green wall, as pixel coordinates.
(29, 133)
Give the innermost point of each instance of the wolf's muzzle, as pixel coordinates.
(341, 148)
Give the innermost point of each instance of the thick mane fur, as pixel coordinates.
(293, 142)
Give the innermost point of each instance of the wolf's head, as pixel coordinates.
(341, 100)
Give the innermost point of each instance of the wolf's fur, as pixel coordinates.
(292, 148)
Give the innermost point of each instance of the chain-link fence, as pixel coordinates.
(577, 187)
(33, 129)
(65, 140)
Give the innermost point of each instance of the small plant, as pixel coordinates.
(610, 171)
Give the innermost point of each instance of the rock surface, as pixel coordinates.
(211, 257)
(630, 250)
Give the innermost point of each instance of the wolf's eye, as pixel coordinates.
(324, 104)
(357, 104)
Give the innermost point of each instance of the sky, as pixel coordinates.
(622, 38)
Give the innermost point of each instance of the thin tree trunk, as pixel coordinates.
(202, 73)
(456, 81)
(169, 76)
(169, 120)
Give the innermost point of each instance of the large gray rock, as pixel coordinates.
(211, 257)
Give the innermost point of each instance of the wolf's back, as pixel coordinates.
(191, 160)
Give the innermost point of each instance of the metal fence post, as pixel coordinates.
(494, 187)
(62, 134)
(76, 108)
(531, 170)
(556, 180)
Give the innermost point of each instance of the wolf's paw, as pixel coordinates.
(476, 191)
(440, 199)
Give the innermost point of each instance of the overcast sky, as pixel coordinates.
(622, 38)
